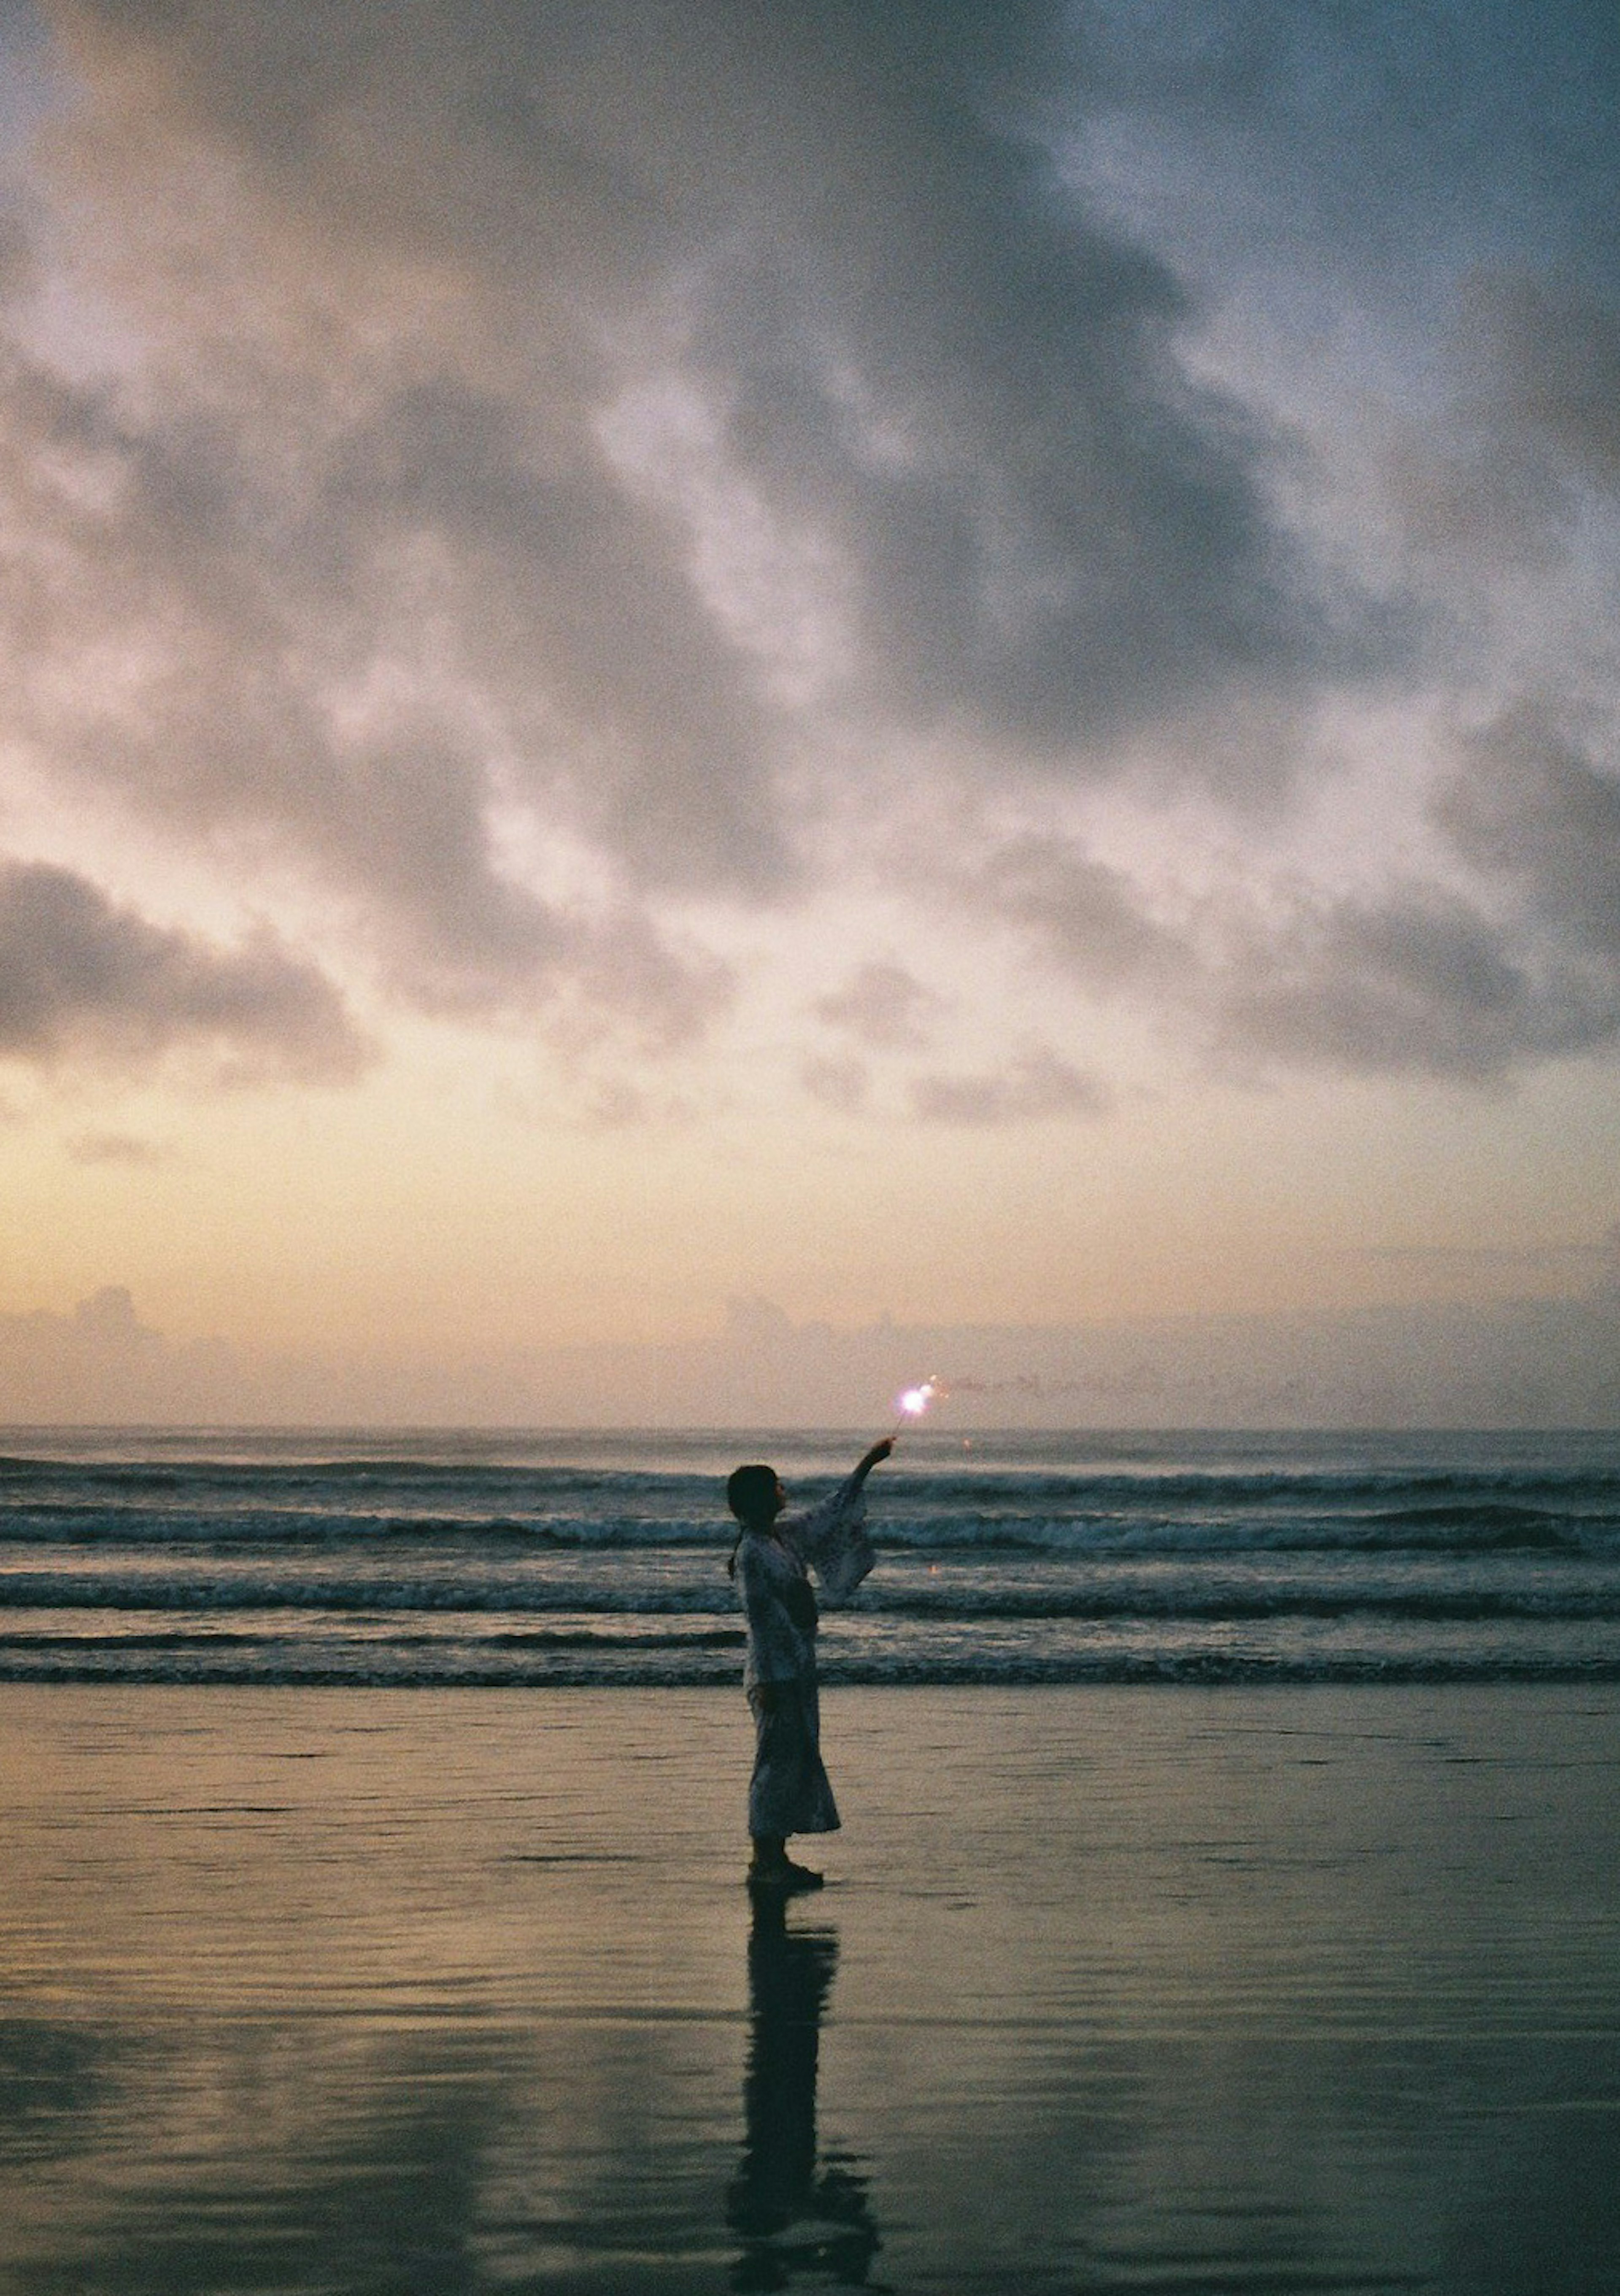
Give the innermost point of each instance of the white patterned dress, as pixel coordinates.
(789, 1791)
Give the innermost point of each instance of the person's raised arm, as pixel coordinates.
(874, 1457)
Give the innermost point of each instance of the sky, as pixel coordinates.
(932, 667)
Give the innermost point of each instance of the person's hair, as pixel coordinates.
(750, 1493)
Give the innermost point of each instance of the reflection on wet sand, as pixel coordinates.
(439, 1993)
(793, 2215)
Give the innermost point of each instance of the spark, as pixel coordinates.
(914, 1402)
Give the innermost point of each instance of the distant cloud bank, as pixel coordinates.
(1541, 1363)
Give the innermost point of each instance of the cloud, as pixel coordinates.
(1524, 966)
(1523, 472)
(236, 666)
(1415, 981)
(125, 1148)
(1530, 806)
(1529, 1258)
(1085, 917)
(1555, 349)
(523, 471)
(1414, 978)
(1048, 537)
(1506, 1362)
(882, 1006)
(475, 384)
(1371, 150)
(840, 1084)
(109, 1318)
(80, 973)
(1036, 1087)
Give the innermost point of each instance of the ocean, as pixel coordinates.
(414, 1560)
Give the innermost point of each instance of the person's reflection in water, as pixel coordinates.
(779, 2186)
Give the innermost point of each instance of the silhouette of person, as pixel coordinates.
(771, 1561)
(778, 2185)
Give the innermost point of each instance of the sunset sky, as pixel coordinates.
(958, 661)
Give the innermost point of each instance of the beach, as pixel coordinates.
(1112, 1987)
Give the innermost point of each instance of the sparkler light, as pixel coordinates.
(914, 1402)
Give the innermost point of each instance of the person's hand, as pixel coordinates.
(879, 1452)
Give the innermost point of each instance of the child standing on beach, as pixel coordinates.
(789, 1791)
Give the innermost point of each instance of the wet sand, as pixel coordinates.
(1113, 1988)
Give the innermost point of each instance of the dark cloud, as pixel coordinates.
(1049, 539)
(1082, 914)
(1531, 442)
(1530, 806)
(1554, 352)
(242, 623)
(514, 457)
(1380, 139)
(1417, 981)
(882, 1006)
(377, 546)
(1035, 1088)
(80, 973)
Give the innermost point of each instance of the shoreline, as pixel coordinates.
(1241, 1679)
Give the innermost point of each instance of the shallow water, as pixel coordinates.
(1126, 1988)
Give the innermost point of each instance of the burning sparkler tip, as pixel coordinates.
(915, 1400)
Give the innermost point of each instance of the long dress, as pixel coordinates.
(789, 1791)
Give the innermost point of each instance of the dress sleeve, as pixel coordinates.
(833, 1541)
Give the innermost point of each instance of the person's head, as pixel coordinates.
(755, 1496)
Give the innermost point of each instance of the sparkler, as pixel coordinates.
(913, 1403)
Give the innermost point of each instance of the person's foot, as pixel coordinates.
(782, 1874)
